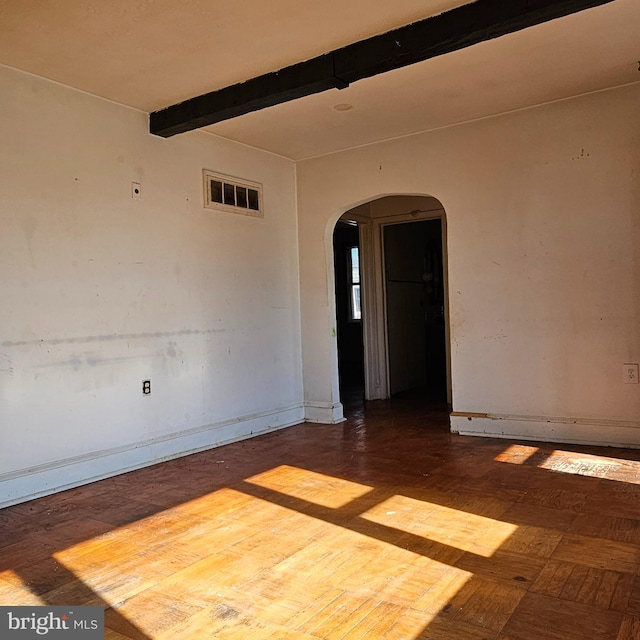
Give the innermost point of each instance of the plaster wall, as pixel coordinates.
(543, 227)
(99, 291)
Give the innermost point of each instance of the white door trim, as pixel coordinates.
(374, 316)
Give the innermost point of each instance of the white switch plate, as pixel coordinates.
(630, 373)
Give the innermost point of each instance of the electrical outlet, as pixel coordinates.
(146, 387)
(630, 373)
(136, 190)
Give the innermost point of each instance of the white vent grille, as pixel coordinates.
(234, 195)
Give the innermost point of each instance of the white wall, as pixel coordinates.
(543, 218)
(99, 291)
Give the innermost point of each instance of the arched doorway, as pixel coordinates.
(399, 343)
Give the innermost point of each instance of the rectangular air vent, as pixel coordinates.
(234, 195)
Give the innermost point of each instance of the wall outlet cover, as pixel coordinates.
(630, 373)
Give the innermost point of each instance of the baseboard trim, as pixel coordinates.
(41, 480)
(589, 431)
(324, 412)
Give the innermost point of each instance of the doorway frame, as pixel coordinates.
(374, 297)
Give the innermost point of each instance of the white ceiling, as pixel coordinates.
(149, 54)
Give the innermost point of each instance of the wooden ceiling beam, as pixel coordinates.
(450, 31)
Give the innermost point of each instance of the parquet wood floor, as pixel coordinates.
(386, 526)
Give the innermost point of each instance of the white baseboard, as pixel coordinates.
(34, 482)
(608, 433)
(324, 412)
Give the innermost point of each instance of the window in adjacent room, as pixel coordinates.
(353, 274)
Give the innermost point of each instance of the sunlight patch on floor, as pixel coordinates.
(14, 591)
(573, 463)
(318, 488)
(441, 524)
(516, 454)
(582, 464)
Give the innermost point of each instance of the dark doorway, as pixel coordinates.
(346, 244)
(414, 283)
